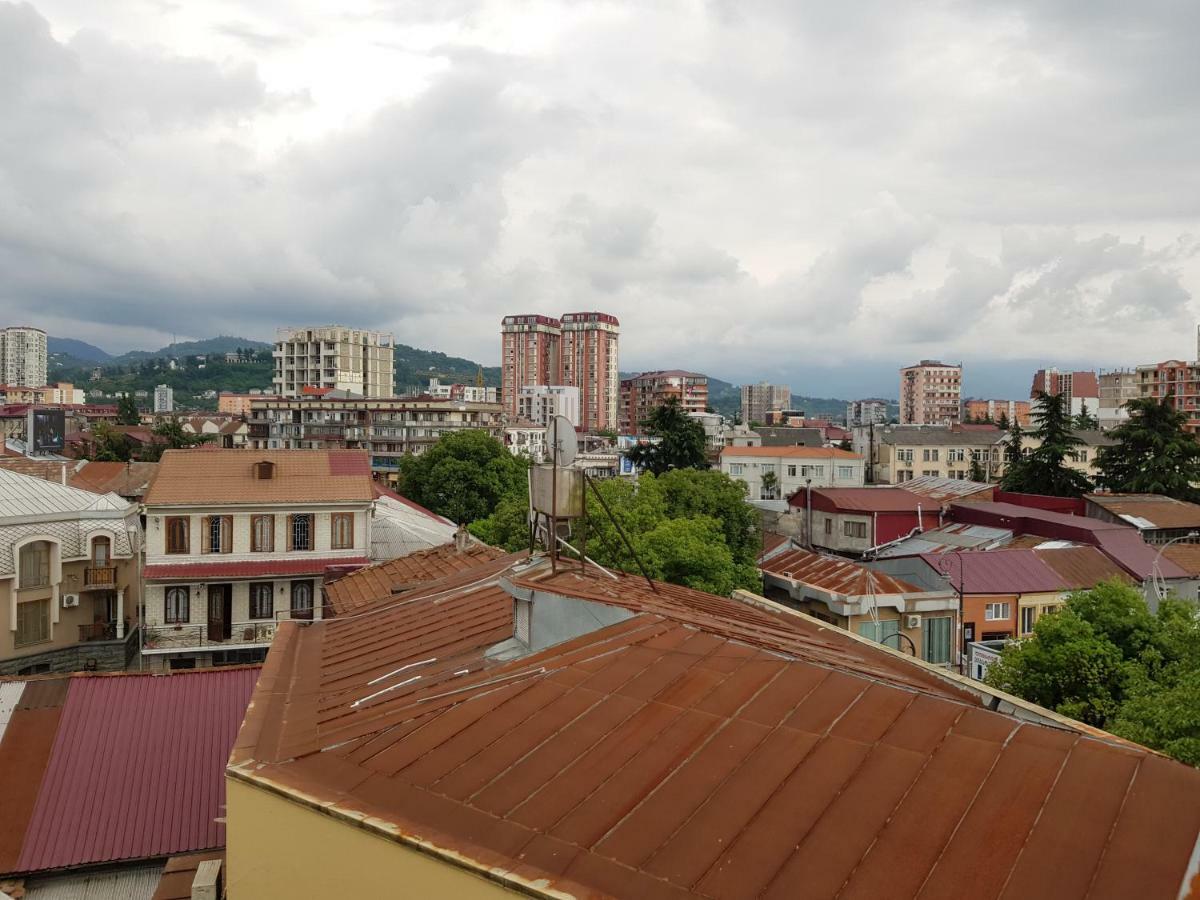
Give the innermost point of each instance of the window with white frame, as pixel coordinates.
(736, 468)
(812, 471)
(791, 470)
(34, 560)
(845, 471)
(994, 612)
(854, 529)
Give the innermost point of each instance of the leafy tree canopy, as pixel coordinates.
(1106, 660)
(1085, 421)
(109, 445)
(1153, 453)
(464, 476)
(680, 443)
(127, 411)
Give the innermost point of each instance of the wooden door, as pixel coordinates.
(220, 612)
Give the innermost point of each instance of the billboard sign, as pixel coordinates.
(47, 430)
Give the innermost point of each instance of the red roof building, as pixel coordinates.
(100, 770)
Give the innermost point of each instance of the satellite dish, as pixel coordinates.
(564, 445)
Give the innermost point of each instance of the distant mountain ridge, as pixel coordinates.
(220, 344)
(81, 350)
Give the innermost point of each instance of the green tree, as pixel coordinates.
(109, 445)
(679, 444)
(1044, 471)
(508, 524)
(770, 481)
(464, 476)
(1106, 660)
(1085, 421)
(127, 411)
(169, 435)
(1153, 453)
(1002, 421)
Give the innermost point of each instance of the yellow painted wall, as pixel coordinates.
(276, 848)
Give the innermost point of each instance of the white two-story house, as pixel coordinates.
(776, 473)
(238, 540)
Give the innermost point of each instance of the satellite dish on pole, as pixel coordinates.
(564, 445)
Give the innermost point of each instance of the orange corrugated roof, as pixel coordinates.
(369, 585)
(701, 747)
(833, 573)
(791, 452)
(227, 476)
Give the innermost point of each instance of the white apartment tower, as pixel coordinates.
(334, 358)
(931, 393)
(164, 399)
(760, 399)
(23, 356)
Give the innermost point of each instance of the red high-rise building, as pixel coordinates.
(588, 361)
(529, 355)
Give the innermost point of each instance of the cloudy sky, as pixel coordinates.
(809, 192)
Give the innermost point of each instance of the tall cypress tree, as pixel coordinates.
(1153, 453)
(1044, 471)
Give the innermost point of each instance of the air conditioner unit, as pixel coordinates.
(70, 600)
(912, 622)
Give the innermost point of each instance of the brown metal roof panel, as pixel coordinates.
(742, 686)
(994, 828)
(794, 684)
(725, 814)
(828, 852)
(754, 856)
(908, 846)
(44, 693)
(872, 714)
(821, 709)
(24, 755)
(1066, 844)
(678, 793)
(1154, 836)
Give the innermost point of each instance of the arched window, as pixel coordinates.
(101, 552)
(177, 607)
(302, 599)
(34, 561)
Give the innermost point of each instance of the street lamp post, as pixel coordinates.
(1156, 575)
(945, 568)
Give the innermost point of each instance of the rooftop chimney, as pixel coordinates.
(462, 539)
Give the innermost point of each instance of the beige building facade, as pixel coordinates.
(931, 393)
(334, 358)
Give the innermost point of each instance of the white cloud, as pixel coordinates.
(750, 187)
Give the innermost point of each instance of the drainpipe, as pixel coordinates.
(920, 519)
(808, 512)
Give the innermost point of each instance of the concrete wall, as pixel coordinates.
(278, 848)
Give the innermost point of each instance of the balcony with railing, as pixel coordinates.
(99, 578)
(215, 635)
(98, 631)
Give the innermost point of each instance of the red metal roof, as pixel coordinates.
(866, 499)
(701, 747)
(136, 768)
(251, 568)
(996, 572)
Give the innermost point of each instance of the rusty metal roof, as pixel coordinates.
(1081, 567)
(834, 574)
(123, 767)
(1148, 511)
(942, 489)
(702, 747)
(379, 582)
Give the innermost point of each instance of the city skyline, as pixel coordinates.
(999, 184)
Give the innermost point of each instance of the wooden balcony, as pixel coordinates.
(99, 578)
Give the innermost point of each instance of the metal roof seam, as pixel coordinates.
(1041, 810)
(691, 756)
(1116, 819)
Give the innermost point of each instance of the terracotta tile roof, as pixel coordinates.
(228, 476)
(833, 573)
(255, 568)
(56, 471)
(701, 747)
(369, 585)
(790, 452)
(110, 768)
(126, 479)
(1149, 511)
(1081, 568)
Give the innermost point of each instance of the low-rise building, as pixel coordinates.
(387, 428)
(579, 735)
(528, 439)
(467, 393)
(899, 453)
(237, 542)
(1156, 518)
(69, 577)
(1000, 411)
(233, 404)
(852, 521)
(776, 473)
(872, 604)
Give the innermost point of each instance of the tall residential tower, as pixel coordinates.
(931, 393)
(23, 356)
